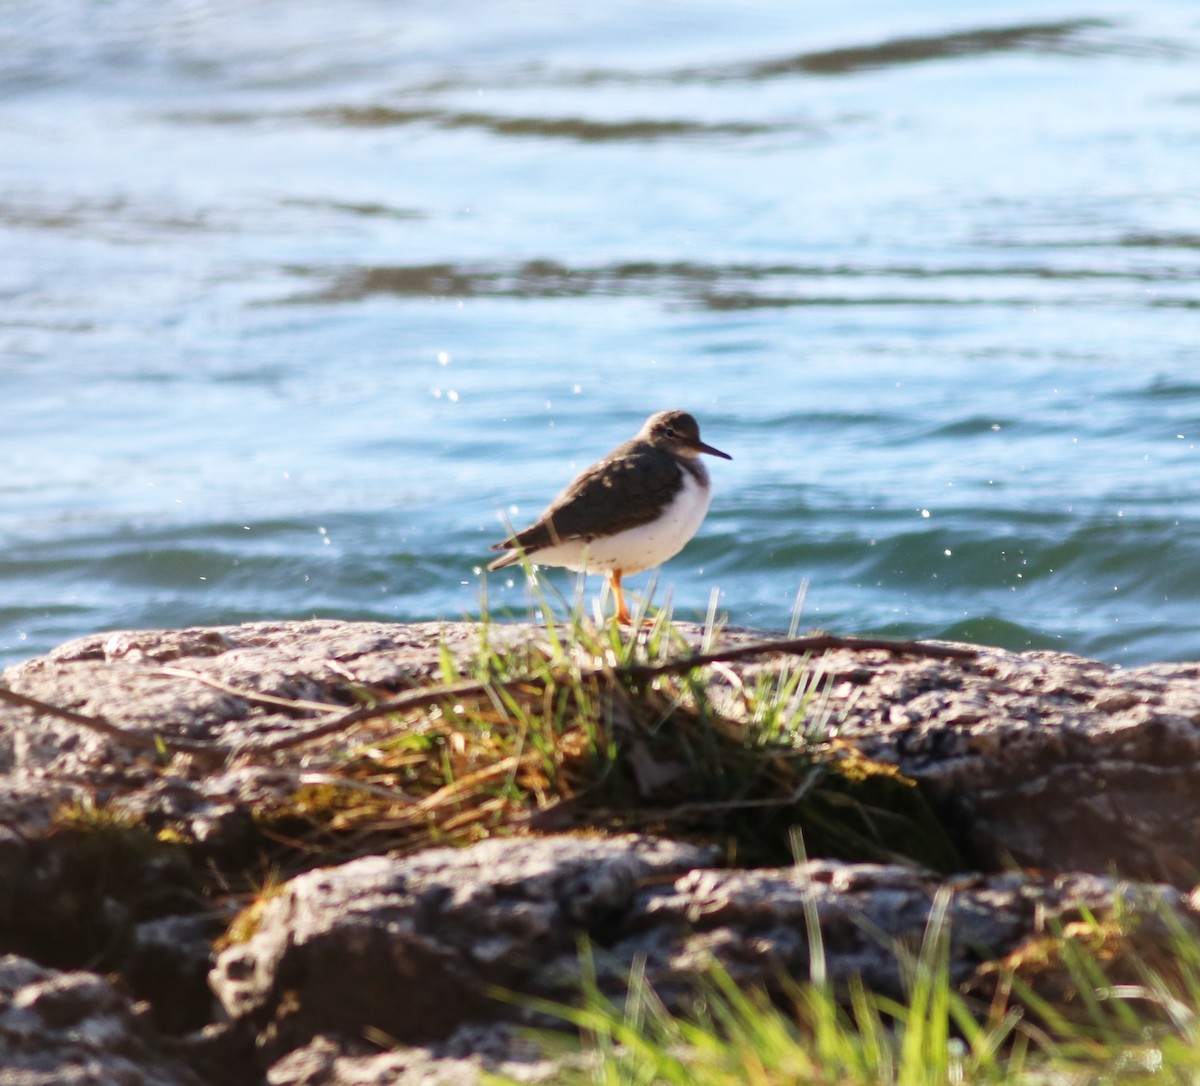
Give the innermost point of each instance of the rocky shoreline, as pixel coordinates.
(153, 934)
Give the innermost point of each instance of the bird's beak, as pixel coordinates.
(701, 447)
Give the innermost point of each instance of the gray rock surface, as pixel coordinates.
(75, 1029)
(412, 947)
(459, 1060)
(122, 677)
(1042, 759)
(1049, 760)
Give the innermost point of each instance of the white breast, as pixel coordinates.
(638, 548)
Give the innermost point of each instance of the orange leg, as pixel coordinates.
(623, 616)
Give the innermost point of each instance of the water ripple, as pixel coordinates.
(715, 287)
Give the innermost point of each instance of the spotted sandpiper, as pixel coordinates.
(633, 509)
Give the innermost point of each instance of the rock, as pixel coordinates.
(115, 854)
(1038, 758)
(1042, 759)
(70, 893)
(412, 947)
(123, 678)
(63, 1029)
(459, 1060)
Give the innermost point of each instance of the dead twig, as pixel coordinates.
(138, 740)
(401, 703)
(297, 705)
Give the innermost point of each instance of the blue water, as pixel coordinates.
(297, 300)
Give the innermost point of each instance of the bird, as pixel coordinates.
(631, 510)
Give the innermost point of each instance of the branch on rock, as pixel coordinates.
(294, 704)
(136, 740)
(798, 646)
(532, 686)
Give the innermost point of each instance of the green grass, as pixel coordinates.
(1125, 1009)
(564, 732)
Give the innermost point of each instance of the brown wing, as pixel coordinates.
(625, 489)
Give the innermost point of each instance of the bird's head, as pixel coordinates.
(679, 433)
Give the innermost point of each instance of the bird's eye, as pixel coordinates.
(669, 431)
